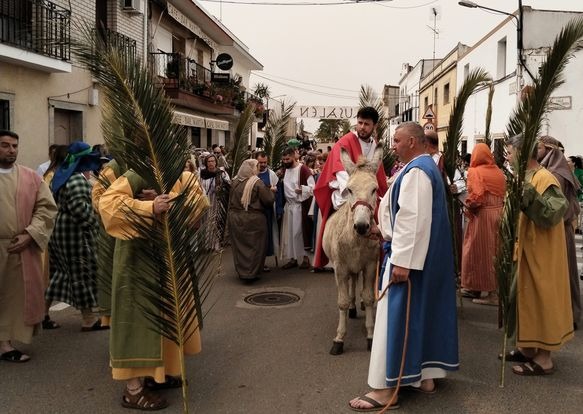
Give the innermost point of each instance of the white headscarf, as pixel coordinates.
(247, 171)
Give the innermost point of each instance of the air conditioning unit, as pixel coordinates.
(132, 6)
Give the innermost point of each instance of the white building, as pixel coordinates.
(409, 92)
(497, 53)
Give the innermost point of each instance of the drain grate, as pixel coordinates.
(275, 298)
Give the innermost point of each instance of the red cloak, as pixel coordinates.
(323, 192)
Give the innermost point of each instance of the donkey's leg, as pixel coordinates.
(352, 297)
(343, 303)
(367, 295)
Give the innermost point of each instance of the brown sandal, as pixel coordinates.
(144, 400)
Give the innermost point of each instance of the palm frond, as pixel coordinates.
(475, 79)
(527, 119)
(137, 125)
(241, 138)
(368, 97)
(276, 137)
(487, 137)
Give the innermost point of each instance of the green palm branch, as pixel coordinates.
(276, 137)
(487, 137)
(241, 138)
(179, 268)
(368, 97)
(476, 78)
(527, 119)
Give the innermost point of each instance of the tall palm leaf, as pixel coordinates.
(241, 140)
(179, 269)
(368, 97)
(276, 137)
(476, 78)
(487, 137)
(527, 119)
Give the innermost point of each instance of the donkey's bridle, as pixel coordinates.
(361, 203)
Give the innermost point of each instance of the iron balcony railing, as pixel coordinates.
(177, 72)
(39, 26)
(124, 44)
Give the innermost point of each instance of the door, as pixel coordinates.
(68, 126)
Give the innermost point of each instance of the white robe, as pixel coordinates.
(410, 237)
(292, 241)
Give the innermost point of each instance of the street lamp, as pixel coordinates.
(519, 21)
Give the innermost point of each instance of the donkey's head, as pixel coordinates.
(362, 188)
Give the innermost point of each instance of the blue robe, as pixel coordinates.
(264, 176)
(433, 337)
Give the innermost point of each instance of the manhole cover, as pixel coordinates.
(271, 298)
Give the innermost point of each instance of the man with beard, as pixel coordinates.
(330, 191)
(298, 187)
(552, 158)
(28, 217)
(269, 178)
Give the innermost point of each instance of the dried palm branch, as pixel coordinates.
(476, 78)
(487, 137)
(241, 139)
(527, 119)
(179, 269)
(276, 133)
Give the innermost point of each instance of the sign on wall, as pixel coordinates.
(190, 25)
(325, 112)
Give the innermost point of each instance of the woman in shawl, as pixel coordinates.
(247, 221)
(72, 248)
(551, 157)
(486, 189)
(215, 184)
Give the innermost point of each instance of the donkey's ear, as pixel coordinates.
(349, 166)
(377, 157)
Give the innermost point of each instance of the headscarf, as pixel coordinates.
(555, 161)
(80, 157)
(484, 176)
(247, 171)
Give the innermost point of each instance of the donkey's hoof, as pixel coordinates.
(337, 348)
(368, 344)
(352, 313)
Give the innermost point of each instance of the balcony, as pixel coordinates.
(190, 84)
(126, 45)
(36, 34)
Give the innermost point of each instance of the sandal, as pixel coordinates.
(375, 405)
(48, 323)
(170, 382)
(515, 356)
(97, 326)
(531, 369)
(144, 400)
(14, 356)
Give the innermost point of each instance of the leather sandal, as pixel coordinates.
(144, 400)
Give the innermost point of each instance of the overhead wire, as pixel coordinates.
(307, 83)
(294, 3)
(312, 91)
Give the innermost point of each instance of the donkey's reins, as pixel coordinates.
(361, 203)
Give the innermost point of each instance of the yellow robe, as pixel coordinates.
(111, 208)
(543, 296)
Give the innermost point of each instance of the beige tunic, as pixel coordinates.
(12, 325)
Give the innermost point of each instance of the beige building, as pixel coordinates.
(437, 91)
(47, 98)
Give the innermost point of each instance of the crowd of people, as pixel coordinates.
(61, 219)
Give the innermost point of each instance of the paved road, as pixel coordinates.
(269, 360)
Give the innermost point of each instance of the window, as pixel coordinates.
(466, 70)
(195, 136)
(446, 94)
(426, 104)
(464, 147)
(435, 99)
(501, 60)
(4, 114)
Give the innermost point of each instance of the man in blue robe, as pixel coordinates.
(270, 179)
(413, 220)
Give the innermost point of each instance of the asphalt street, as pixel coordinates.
(275, 360)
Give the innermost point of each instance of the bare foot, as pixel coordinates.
(380, 397)
(427, 385)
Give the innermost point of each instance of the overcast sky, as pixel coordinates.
(345, 46)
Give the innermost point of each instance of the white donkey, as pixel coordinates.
(347, 245)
